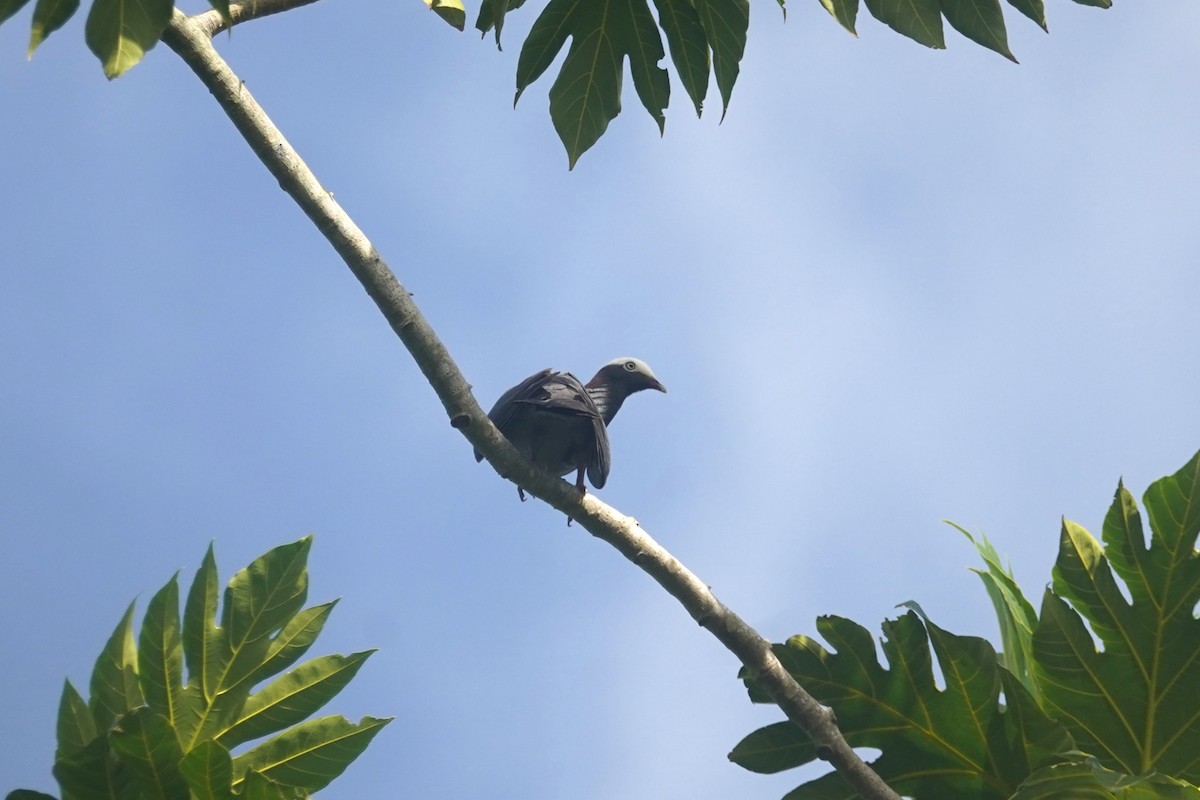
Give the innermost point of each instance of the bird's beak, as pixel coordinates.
(654, 384)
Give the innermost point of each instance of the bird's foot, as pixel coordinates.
(521, 494)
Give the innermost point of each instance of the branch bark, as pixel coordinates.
(191, 39)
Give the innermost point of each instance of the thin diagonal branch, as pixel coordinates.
(211, 22)
(191, 40)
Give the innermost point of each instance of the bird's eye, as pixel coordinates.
(630, 366)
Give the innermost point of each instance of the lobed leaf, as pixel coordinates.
(725, 24)
(1086, 779)
(955, 742)
(160, 656)
(257, 787)
(259, 601)
(688, 45)
(208, 770)
(147, 747)
(1134, 705)
(1015, 614)
(294, 640)
(311, 754)
(114, 684)
(92, 774)
(76, 726)
(293, 697)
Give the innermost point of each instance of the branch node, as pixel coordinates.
(824, 752)
(460, 420)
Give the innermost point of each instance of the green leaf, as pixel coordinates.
(147, 747)
(688, 45)
(1135, 705)
(312, 754)
(1034, 9)
(114, 684)
(725, 24)
(1015, 614)
(10, 7)
(1095, 3)
(1086, 779)
(547, 36)
(294, 640)
(76, 726)
(120, 32)
(160, 656)
(208, 770)
(92, 774)
(256, 787)
(487, 15)
(955, 742)
(201, 637)
(634, 25)
(980, 21)
(586, 95)
(28, 794)
(49, 16)
(293, 697)
(259, 601)
(844, 11)
(919, 20)
(452, 12)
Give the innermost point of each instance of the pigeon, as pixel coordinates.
(561, 424)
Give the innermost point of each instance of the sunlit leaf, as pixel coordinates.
(844, 11)
(120, 32)
(294, 640)
(114, 685)
(293, 697)
(1015, 614)
(160, 655)
(451, 11)
(147, 747)
(208, 770)
(76, 726)
(1085, 779)
(1134, 704)
(311, 754)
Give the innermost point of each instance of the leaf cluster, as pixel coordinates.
(146, 733)
(1096, 696)
(704, 37)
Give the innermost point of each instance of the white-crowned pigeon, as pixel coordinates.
(560, 424)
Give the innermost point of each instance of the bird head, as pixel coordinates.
(626, 376)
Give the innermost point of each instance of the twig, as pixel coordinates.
(190, 38)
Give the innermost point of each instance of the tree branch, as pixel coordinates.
(190, 38)
(211, 22)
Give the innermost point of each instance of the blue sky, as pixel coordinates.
(895, 286)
